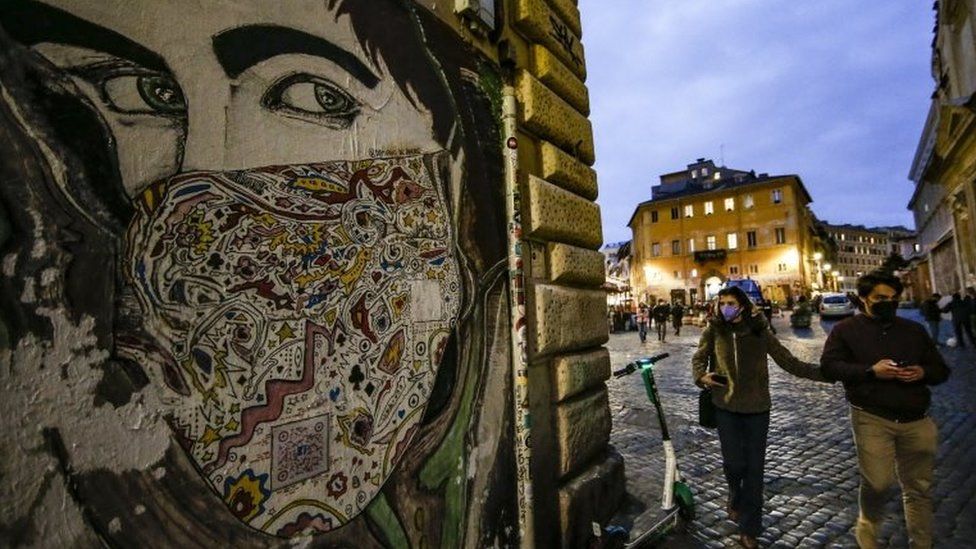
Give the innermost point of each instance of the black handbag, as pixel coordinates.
(706, 408)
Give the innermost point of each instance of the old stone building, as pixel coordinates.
(706, 224)
(860, 250)
(944, 167)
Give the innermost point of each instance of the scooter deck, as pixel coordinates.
(653, 526)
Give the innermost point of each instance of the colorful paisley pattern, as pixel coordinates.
(298, 317)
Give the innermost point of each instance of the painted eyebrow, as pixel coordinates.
(240, 48)
(31, 23)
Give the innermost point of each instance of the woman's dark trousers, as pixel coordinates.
(743, 438)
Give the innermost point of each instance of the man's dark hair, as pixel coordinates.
(867, 283)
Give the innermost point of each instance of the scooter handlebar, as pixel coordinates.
(633, 366)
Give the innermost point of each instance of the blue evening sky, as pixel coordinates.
(833, 90)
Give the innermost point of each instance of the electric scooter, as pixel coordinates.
(677, 501)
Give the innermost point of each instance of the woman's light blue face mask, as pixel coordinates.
(729, 310)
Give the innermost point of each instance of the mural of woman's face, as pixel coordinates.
(292, 247)
(242, 84)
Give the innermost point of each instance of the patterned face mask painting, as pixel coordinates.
(299, 315)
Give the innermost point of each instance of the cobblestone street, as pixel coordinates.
(811, 469)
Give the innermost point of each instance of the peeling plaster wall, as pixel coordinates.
(252, 284)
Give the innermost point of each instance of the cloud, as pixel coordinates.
(835, 91)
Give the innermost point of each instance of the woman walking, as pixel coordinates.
(738, 340)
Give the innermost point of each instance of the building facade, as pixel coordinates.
(708, 224)
(944, 167)
(860, 250)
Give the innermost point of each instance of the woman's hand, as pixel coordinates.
(708, 380)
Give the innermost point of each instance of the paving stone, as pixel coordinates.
(811, 466)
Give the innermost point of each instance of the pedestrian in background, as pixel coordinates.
(970, 300)
(737, 339)
(885, 363)
(961, 324)
(767, 311)
(677, 316)
(642, 319)
(661, 314)
(932, 315)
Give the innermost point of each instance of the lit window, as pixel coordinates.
(729, 204)
(691, 245)
(709, 207)
(710, 242)
(704, 172)
(694, 174)
(747, 201)
(733, 240)
(777, 196)
(694, 273)
(717, 176)
(689, 210)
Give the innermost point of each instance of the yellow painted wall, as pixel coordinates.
(655, 275)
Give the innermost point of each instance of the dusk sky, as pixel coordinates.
(835, 91)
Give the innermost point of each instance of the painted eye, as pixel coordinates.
(156, 94)
(312, 98)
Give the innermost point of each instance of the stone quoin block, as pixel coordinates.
(552, 118)
(582, 429)
(543, 24)
(572, 265)
(569, 13)
(567, 319)
(567, 172)
(574, 374)
(558, 215)
(592, 496)
(553, 73)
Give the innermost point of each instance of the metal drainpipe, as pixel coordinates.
(516, 286)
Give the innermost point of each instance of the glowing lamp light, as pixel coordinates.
(827, 267)
(791, 257)
(817, 256)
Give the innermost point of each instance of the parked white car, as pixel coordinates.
(836, 305)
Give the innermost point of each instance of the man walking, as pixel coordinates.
(932, 315)
(661, 313)
(961, 324)
(677, 316)
(886, 363)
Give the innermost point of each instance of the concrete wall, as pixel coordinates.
(254, 275)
